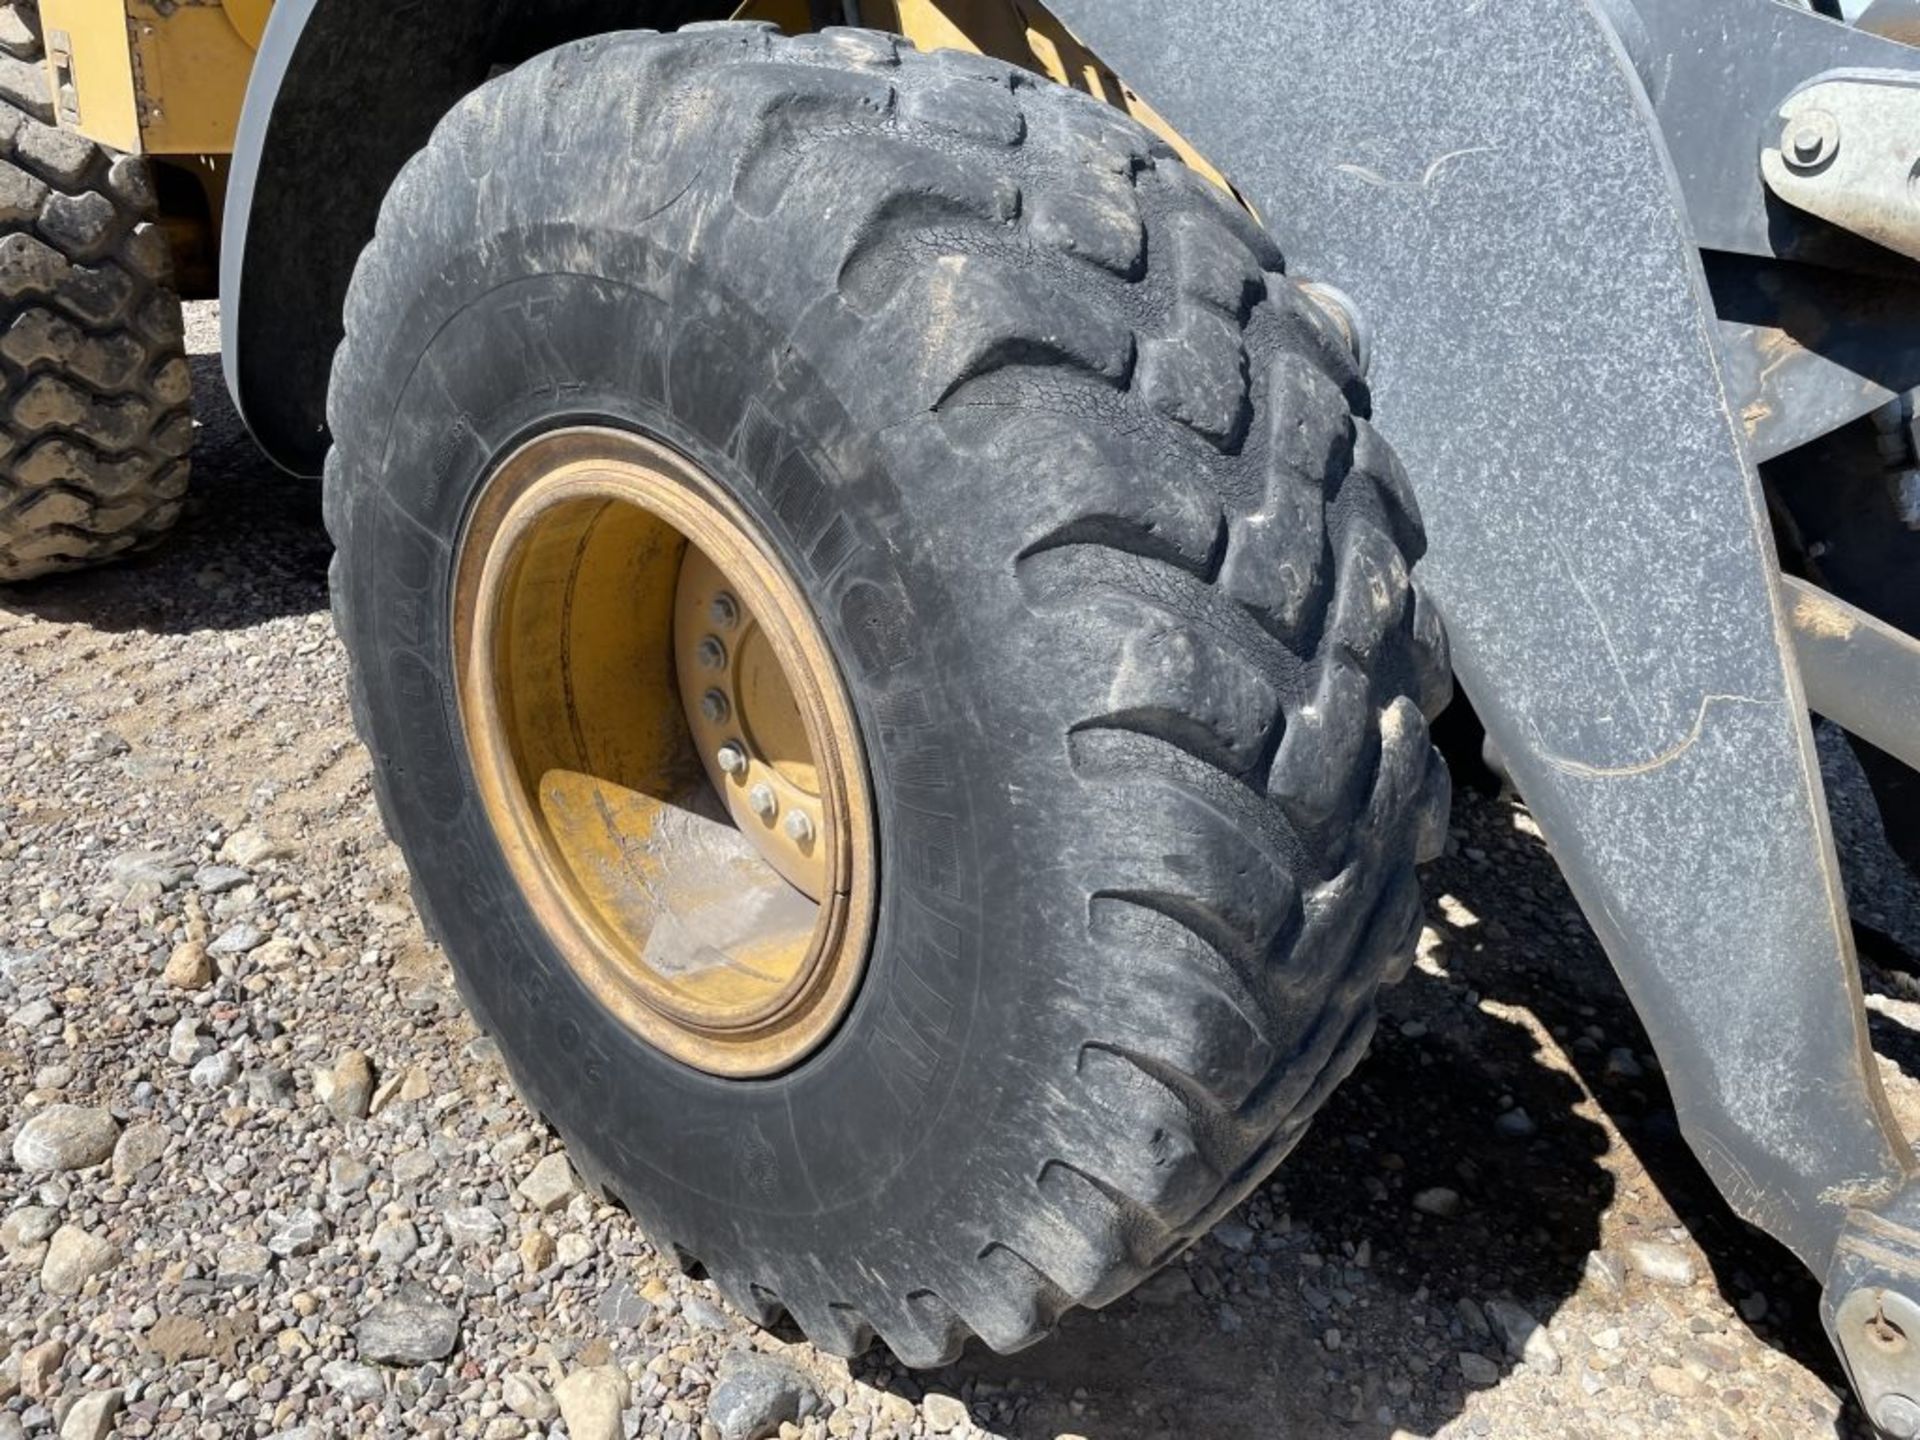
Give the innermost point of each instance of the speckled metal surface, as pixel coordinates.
(1717, 72)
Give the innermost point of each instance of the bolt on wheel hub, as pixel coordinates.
(747, 725)
(665, 749)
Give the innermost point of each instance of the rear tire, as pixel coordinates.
(1115, 573)
(95, 423)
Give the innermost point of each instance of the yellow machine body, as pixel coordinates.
(155, 77)
(168, 77)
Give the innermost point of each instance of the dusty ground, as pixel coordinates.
(176, 763)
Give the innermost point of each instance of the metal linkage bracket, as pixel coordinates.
(1871, 1315)
(1859, 672)
(1848, 151)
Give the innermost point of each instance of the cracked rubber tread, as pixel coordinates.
(95, 425)
(1175, 474)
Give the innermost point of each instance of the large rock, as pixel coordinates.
(73, 1258)
(300, 1233)
(236, 940)
(591, 1401)
(621, 1307)
(26, 1227)
(347, 1087)
(1660, 1262)
(1477, 1370)
(65, 1137)
(472, 1225)
(945, 1413)
(359, 1383)
(189, 967)
(536, 1251)
(139, 1146)
(243, 1263)
(185, 1042)
(551, 1184)
(394, 1241)
(157, 869)
(410, 1328)
(91, 1417)
(1525, 1337)
(215, 1071)
(249, 847)
(528, 1398)
(40, 1369)
(757, 1395)
(219, 879)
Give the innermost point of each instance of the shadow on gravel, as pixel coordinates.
(1218, 1359)
(1452, 1053)
(1571, 988)
(249, 548)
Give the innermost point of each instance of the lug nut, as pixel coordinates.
(711, 653)
(724, 611)
(714, 706)
(761, 798)
(733, 760)
(799, 827)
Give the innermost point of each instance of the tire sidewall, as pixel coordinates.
(885, 1118)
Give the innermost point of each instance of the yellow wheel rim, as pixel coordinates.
(665, 750)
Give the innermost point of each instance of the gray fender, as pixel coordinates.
(342, 93)
(1490, 184)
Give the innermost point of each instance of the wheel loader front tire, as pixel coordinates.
(1071, 482)
(94, 417)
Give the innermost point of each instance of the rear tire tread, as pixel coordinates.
(96, 412)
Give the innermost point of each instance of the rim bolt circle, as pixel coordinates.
(761, 798)
(799, 827)
(724, 611)
(714, 706)
(711, 654)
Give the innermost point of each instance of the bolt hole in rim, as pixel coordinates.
(664, 749)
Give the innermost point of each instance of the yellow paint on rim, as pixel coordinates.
(683, 893)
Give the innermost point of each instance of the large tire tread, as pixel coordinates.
(1226, 583)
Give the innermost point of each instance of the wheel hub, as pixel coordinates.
(665, 749)
(747, 725)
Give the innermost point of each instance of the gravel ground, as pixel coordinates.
(260, 1176)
